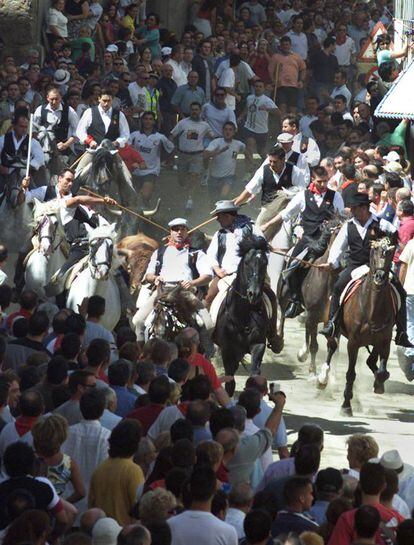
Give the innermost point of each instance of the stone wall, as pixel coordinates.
(21, 25)
(174, 14)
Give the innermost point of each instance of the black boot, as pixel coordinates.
(329, 329)
(294, 309)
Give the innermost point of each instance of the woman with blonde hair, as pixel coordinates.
(156, 506)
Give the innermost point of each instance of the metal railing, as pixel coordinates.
(404, 9)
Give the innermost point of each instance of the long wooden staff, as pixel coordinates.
(73, 165)
(86, 190)
(29, 149)
(276, 81)
(302, 261)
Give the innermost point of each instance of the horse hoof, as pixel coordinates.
(323, 376)
(346, 411)
(302, 356)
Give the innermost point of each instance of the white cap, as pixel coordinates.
(166, 51)
(393, 166)
(284, 138)
(60, 77)
(105, 531)
(178, 221)
(392, 460)
(392, 156)
(112, 48)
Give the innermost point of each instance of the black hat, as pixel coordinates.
(359, 199)
(329, 480)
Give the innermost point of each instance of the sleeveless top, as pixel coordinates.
(60, 475)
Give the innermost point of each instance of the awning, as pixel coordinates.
(398, 103)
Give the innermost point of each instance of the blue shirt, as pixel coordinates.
(125, 400)
(280, 439)
(201, 434)
(109, 420)
(318, 511)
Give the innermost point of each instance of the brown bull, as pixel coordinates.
(138, 250)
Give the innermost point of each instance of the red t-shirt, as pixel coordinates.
(344, 531)
(130, 156)
(198, 360)
(146, 415)
(21, 313)
(405, 234)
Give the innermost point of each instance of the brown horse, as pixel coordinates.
(367, 319)
(315, 293)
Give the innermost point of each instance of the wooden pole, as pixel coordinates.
(201, 225)
(29, 150)
(302, 261)
(86, 190)
(276, 81)
(73, 165)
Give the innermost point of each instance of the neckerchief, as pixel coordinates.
(316, 190)
(180, 245)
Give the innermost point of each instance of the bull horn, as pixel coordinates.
(150, 213)
(208, 237)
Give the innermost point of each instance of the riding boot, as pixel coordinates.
(19, 276)
(127, 301)
(401, 337)
(329, 329)
(294, 282)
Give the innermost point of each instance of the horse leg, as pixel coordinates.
(372, 360)
(350, 378)
(381, 374)
(314, 347)
(323, 377)
(303, 353)
(230, 364)
(257, 354)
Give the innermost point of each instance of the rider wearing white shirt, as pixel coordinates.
(302, 144)
(103, 121)
(61, 119)
(176, 263)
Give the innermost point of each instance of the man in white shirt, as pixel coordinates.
(407, 279)
(138, 93)
(355, 237)
(191, 133)
(59, 119)
(216, 112)
(298, 38)
(223, 153)
(277, 182)
(101, 122)
(197, 524)
(316, 205)
(176, 59)
(311, 110)
(228, 81)
(286, 140)
(302, 144)
(14, 147)
(256, 126)
(176, 263)
(340, 88)
(149, 142)
(345, 49)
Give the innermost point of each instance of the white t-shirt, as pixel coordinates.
(175, 266)
(138, 95)
(149, 147)
(257, 118)
(58, 20)
(191, 134)
(202, 528)
(224, 164)
(344, 51)
(407, 256)
(228, 80)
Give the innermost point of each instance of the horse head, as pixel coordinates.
(46, 223)
(101, 250)
(252, 268)
(382, 252)
(103, 158)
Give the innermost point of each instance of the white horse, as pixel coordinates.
(97, 278)
(51, 252)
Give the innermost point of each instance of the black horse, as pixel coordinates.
(242, 323)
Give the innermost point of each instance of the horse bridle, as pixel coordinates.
(94, 246)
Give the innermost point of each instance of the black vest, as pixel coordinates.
(97, 128)
(60, 130)
(293, 158)
(270, 187)
(9, 153)
(222, 238)
(75, 229)
(359, 250)
(192, 261)
(313, 216)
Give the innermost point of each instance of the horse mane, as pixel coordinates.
(320, 245)
(101, 159)
(252, 242)
(103, 231)
(48, 208)
(382, 243)
(182, 301)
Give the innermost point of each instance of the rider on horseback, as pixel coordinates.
(316, 205)
(223, 251)
(175, 263)
(355, 238)
(14, 148)
(57, 118)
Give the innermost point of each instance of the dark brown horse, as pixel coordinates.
(367, 319)
(315, 293)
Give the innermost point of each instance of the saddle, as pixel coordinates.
(68, 278)
(224, 285)
(358, 276)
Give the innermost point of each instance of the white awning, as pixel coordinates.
(398, 103)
